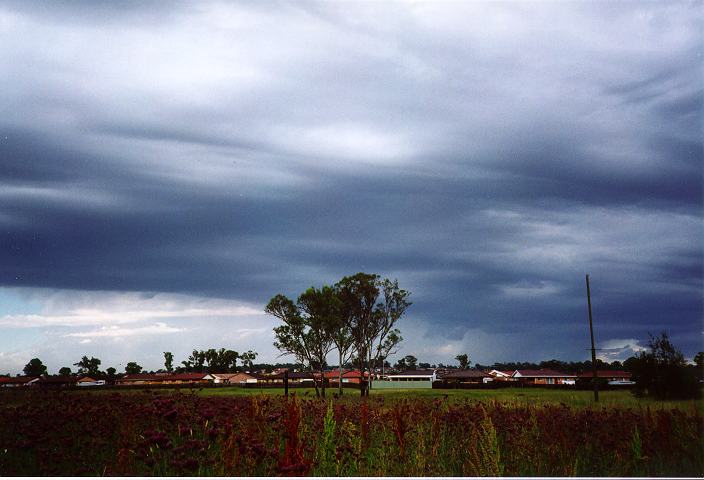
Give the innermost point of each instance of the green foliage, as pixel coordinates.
(212, 361)
(699, 364)
(88, 366)
(169, 361)
(34, 368)
(356, 316)
(325, 453)
(463, 358)
(132, 368)
(662, 371)
(65, 371)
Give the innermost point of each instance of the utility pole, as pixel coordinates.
(591, 333)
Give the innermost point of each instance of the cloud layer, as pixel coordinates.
(486, 155)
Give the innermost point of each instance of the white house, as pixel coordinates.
(428, 375)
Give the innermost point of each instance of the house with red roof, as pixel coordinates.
(23, 381)
(188, 378)
(239, 378)
(139, 379)
(348, 376)
(543, 376)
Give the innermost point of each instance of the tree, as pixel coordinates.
(35, 368)
(339, 332)
(111, 371)
(248, 358)
(391, 309)
(303, 332)
(359, 294)
(699, 362)
(169, 361)
(401, 364)
(662, 371)
(132, 368)
(389, 347)
(65, 371)
(411, 362)
(229, 360)
(463, 358)
(322, 312)
(88, 366)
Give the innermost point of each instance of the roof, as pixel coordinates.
(134, 377)
(346, 373)
(413, 373)
(506, 373)
(22, 379)
(186, 376)
(469, 373)
(606, 374)
(226, 376)
(543, 372)
(58, 379)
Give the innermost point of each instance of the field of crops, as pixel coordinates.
(171, 433)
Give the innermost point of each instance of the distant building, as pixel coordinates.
(23, 381)
(466, 376)
(427, 375)
(543, 377)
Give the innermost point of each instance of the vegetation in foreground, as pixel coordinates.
(152, 433)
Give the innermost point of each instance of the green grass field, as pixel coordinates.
(536, 396)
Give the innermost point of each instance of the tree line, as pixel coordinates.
(356, 316)
(200, 361)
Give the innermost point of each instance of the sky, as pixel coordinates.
(168, 167)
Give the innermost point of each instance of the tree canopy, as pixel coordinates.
(88, 366)
(35, 368)
(661, 371)
(356, 316)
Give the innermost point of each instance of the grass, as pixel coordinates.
(522, 396)
(256, 432)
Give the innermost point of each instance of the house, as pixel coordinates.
(139, 379)
(502, 375)
(613, 377)
(427, 375)
(23, 381)
(348, 376)
(466, 376)
(222, 378)
(543, 376)
(86, 381)
(302, 378)
(234, 378)
(57, 381)
(186, 378)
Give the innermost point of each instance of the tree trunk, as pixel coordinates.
(340, 378)
(315, 384)
(322, 381)
(362, 382)
(370, 372)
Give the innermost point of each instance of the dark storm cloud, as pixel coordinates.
(485, 156)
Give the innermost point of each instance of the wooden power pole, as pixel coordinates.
(591, 333)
